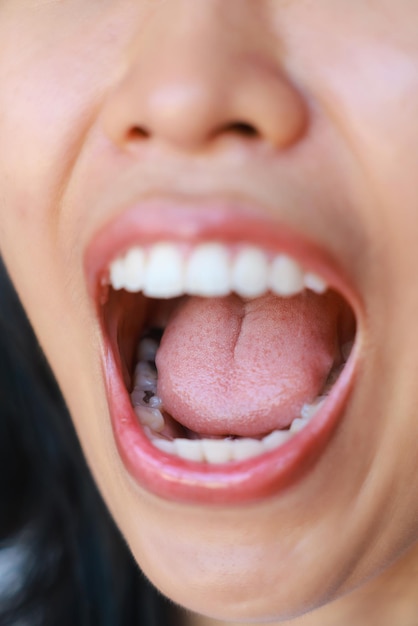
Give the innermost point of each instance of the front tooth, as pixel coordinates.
(189, 449)
(134, 269)
(286, 276)
(150, 417)
(208, 271)
(250, 273)
(164, 272)
(217, 450)
(243, 449)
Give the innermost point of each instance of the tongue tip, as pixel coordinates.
(209, 420)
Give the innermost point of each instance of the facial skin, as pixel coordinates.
(331, 89)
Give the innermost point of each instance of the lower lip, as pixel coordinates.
(172, 478)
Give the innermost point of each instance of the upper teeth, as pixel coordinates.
(165, 270)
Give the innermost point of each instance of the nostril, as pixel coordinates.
(242, 129)
(139, 132)
(238, 128)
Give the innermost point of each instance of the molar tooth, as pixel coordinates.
(150, 417)
(286, 276)
(217, 450)
(309, 410)
(137, 397)
(276, 439)
(250, 273)
(164, 272)
(165, 446)
(145, 384)
(149, 433)
(145, 376)
(208, 271)
(147, 349)
(141, 397)
(315, 283)
(298, 424)
(246, 448)
(189, 449)
(134, 269)
(155, 402)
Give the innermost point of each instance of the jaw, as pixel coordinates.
(151, 455)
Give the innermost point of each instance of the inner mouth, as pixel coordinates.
(226, 377)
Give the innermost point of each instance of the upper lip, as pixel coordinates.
(194, 220)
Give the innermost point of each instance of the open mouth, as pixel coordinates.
(228, 363)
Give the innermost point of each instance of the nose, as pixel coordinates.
(200, 75)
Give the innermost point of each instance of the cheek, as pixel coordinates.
(363, 75)
(374, 99)
(51, 88)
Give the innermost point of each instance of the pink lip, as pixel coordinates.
(170, 477)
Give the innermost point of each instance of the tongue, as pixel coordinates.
(233, 367)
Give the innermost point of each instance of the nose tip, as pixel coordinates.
(196, 91)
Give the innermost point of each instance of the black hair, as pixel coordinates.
(62, 560)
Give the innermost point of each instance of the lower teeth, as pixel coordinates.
(150, 412)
